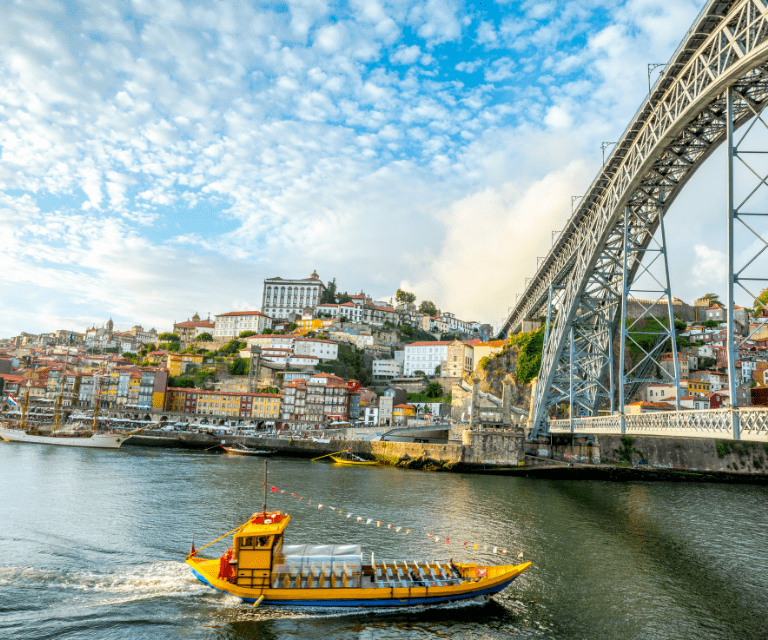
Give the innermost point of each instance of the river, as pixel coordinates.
(92, 545)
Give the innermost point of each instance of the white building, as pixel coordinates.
(271, 341)
(387, 368)
(348, 310)
(323, 349)
(425, 356)
(285, 297)
(231, 325)
(454, 324)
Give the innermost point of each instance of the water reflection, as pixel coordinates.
(92, 545)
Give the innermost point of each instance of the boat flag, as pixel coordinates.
(389, 526)
(71, 335)
(319, 506)
(378, 523)
(349, 515)
(447, 540)
(273, 490)
(397, 529)
(359, 518)
(293, 495)
(369, 521)
(13, 400)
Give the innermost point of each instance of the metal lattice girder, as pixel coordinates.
(639, 242)
(745, 213)
(675, 130)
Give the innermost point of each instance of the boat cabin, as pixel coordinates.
(256, 545)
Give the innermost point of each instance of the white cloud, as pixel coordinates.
(406, 55)
(710, 268)
(237, 142)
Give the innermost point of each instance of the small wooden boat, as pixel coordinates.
(258, 567)
(349, 458)
(241, 450)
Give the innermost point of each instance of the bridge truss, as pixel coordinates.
(715, 81)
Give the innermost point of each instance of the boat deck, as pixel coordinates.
(385, 574)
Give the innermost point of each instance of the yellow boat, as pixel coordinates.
(258, 568)
(349, 458)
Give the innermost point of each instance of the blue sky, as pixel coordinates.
(163, 158)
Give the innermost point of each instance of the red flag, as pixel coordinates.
(447, 539)
(301, 498)
(294, 495)
(274, 490)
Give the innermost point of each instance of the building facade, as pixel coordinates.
(231, 325)
(284, 297)
(426, 357)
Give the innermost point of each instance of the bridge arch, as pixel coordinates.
(678, 126)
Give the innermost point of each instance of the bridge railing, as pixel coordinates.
(705, 423)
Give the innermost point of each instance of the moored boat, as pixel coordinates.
(349, 458)
(241, 450)
(66, 438)
(258, 568)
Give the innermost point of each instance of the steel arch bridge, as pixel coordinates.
(715, 81)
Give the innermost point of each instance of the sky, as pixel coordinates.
(159, 159)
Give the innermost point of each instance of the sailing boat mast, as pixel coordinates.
(96, 404)
(24, 405)
(57, 406)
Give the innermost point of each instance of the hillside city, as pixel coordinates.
(315, 358)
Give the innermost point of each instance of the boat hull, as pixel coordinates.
(241, 452)
(96, 441)
(354, 463)
(380, 596)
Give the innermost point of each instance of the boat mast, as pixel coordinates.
(264, 507)
(25, 404)
(57, 406)
(96, 404)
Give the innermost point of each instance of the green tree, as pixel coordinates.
(181, 381)
(150, 347)
(238, 367)
(267, 332)
(529, 359)
(433, 390)
(329, 294)
(437, 370)
(344, 297)
(232, 347)
(428, 307)
(761, 302)
(405, 296)
(204, 337)
(419, 373)
(246, 334)
(169, 337)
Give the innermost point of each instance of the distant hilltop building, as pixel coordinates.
(637, 308)
(285, 297)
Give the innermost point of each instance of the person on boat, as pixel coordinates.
(417, 580)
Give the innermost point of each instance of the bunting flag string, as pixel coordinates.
(365, 521)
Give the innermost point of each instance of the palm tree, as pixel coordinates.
(712, 299)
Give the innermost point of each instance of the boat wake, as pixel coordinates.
(158, 579)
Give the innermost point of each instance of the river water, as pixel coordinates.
(92, 545)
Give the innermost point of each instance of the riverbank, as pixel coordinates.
(560, 461)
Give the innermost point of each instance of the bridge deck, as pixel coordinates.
(710, 423)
